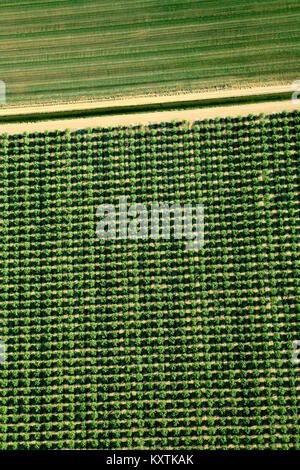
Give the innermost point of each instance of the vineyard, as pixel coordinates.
(140, 344)
(87, 49)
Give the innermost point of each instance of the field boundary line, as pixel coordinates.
(149, 118)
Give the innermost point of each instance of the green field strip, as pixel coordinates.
(168, 82)
(139, 344)
(88, 50)
(156, 58)
(176, 23)
(160, 33)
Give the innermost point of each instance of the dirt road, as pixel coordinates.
(151, 118)
(140, 100)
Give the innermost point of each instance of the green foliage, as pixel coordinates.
(140, 344)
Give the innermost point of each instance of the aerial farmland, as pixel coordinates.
(75, 49)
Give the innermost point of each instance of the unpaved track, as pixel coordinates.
(151, 118)
(11, 110)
